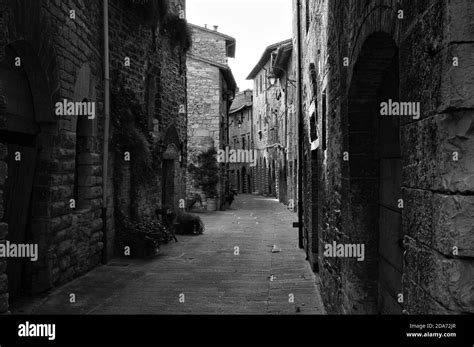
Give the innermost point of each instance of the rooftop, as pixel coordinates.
(242, 101)
(265, 57)
(230, 41)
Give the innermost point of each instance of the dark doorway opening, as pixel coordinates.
(375, 178)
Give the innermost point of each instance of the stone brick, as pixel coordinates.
(3, 283)
(4, 303)
(428, 149)
(89, 159)
(447, 280)
(3, 151)
(3, 172)
(3, 231)
(460, 27)
(90, 192)
(453, 224)
(458, 81)
(3, 266)
(417, 301)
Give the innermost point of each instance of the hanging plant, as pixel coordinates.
(178, 32)
(152, 11)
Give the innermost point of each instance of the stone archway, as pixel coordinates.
(171, 157)
(244, 187)
(26, 129)
(374, 178)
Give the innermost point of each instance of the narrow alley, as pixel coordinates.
(207, 269)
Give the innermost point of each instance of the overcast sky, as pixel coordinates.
(255, 24)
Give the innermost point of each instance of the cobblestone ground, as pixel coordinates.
(205, 269)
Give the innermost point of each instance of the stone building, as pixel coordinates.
(51, 162)
(211, 88)
(401, 185)
(241, 139)
(266, 110)
(283, 76)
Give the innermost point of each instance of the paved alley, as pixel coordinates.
(230, 269)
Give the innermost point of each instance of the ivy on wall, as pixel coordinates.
(172, 25)
(131, 142)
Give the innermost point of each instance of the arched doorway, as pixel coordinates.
(238, 181)
(375, 177)
(19, 133)
(264, 177)
(171, 192)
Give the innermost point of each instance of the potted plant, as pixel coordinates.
(206, 176)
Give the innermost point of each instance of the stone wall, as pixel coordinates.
(3, 229)
(157, 74)
(204, 111)
(240, 127)
(54, 49)
(208, 101)
(62, 58)
(261, 129)
(208, 46)
(421, 261)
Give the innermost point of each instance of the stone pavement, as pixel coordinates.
(206, 269)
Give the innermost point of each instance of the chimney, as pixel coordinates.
(216, 27)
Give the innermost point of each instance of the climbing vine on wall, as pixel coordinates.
(130, 138)
(178, 31)
(131, 142)
(172, 23)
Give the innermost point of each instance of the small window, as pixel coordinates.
(308, 17)
(324, 119)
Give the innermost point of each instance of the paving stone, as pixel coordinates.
(205, 269)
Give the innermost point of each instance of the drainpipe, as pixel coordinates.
(300, 131)
(106, 129)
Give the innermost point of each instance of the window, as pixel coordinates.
(84, 142)
(314, 80)
(324, 116)
(308, 18)
(243, 142)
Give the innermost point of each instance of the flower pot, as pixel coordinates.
(211, 205)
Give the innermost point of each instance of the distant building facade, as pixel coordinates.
(274, 124)
(211, 88)
(241, 138)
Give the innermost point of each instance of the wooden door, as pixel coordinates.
(19, 186)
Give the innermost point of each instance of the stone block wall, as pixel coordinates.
(312, 36)
(434, 240)
(204, 121)
(205, 45)
(261, 129)
(3, 228)
(157, 74)
(54, 48)
(208, 103)
(62, 57)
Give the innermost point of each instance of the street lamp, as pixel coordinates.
(272, 78)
